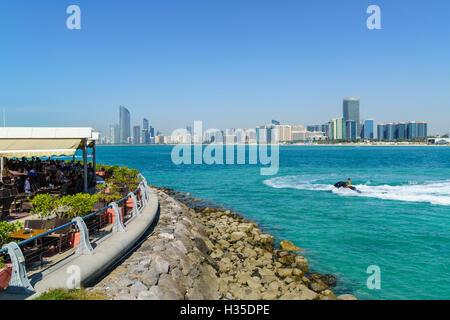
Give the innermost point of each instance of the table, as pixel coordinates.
(21, 235)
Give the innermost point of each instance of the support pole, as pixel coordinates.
(19, 282)
(84, 247)
(2, 166)
(118, 225)
(136, 212)
(85, 165)
(94, 163)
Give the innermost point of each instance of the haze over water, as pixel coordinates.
(400, 222)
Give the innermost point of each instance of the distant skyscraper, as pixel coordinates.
(152, 132)
(115, 134)
(411, 129)
(380, 131)
(136, 134)
(350, 127)
(125, 125)
(351, 109)
(145, 124)
(400, 131)
(275, 122)
(389, 131)
(422, 129)
(145, 138)
(368, 129)
(338, 129)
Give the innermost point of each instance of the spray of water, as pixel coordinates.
(437, 192)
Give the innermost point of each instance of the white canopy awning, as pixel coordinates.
(43, 142)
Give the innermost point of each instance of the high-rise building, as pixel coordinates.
(145, 137)
(125, 125)
(114, 134)
(350, 130)
(338, 129)
(137, 134)
(389, 131)
(422, 129)
(380, 131)
(145, 124)
(368, 132)
(351, 109)
(411, 129)
(275, 122)
(400, 131)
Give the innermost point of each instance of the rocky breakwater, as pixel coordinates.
(198, 253)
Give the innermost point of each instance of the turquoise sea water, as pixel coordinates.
(400, 222)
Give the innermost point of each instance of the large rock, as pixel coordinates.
(288, 246)
(245, 227)
(148, 295)
(318, 285)
(150, 278)
(266, 239)
(160, 265)
(302, 262)
(328, 279)
(137, 288)
(236, 236)
(284, 272)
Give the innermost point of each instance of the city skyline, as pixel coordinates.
(181, 62)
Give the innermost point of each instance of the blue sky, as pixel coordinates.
(233, 63)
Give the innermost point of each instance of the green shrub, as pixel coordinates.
(43, 205)
(6, 229)
(78, 205)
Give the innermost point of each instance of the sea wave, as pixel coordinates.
(434, 192)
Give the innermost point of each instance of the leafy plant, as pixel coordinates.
(6, 229)
(78, 205)
(43, 205)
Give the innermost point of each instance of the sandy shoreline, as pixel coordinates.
(205, 253)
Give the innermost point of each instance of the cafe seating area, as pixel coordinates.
(26, 178)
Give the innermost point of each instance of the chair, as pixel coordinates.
(61, 234)
(35, 224)
(18, 201)
(7, 201)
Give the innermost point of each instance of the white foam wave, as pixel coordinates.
(431, 192)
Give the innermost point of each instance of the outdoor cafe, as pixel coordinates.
(28, 167)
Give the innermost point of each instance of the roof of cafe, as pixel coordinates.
(44, 142)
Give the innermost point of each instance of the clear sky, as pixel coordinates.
(230, 63)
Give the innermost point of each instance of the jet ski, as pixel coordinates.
(343, 184)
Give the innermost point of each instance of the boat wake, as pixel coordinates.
(437, 192)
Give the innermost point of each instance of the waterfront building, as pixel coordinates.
(380, 131)
(152, 132)
(368, 132)
(145, 137)
(114, 134)
(350, 127)
(351, 109)
(389, 132)
(137, 134)
(422, 129)
(400, 131)
(411, 129)
(338, 129)
(125, 125)
(284, 133)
